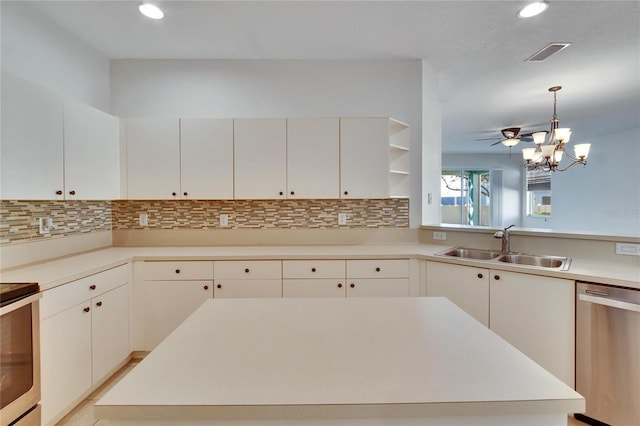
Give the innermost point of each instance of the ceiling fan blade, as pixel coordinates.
(485, 139)
(495, 143)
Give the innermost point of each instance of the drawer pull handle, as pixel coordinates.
(280, 193)
(293, 193)
(219, 286)
(206, 287)
(174, 194)
(92, 287)
(313, 269)
(72, 192)
(246, 270)
(99, 303)
(177, 271)
(346, 192)
(352, 285)
(339, 285)
(58, 192)
(497, 277)
(185, 193)
(377, 269)
(480, 275)
(87, 309)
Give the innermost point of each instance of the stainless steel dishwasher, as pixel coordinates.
(608, 354)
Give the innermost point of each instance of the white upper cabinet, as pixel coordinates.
(153, 159)
(53, 148)
(313, 158)
(260, 160)
(364, 158)
(32, 144)
(91, 153)
(206, 147)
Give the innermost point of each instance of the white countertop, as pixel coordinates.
(56, 272)
(360, 357)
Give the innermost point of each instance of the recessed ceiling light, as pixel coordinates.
(151, 11)
(533, 9)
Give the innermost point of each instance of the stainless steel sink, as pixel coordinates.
(465, 253)
(550, 262)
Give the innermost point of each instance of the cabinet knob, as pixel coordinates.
(58, 192)
(377, 269)
(346, 192)
(339, 285)
(92, 287)
(219, 286)
(352, 285)
(185, 193)
(87, 309)
(293, 193)
(99, 303)
(480, 275)
(246, 270)
(177, 271)
(206, 287)
(72, 192)
(174, 194)
(496, 277)
(313, 269)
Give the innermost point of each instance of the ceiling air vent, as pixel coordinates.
(547, 51)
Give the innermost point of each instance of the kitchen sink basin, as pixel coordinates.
(551, 262)
(465, 253)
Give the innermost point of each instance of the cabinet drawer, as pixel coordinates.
(65, 296)
(393, 287)
(230, 288)
(313, 288)
(178, 270)
(313, 269)
(248, 270)
(382, 268)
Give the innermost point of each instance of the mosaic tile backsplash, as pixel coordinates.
(19, 219)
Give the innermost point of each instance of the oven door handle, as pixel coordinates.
(19, 304)
(627, 306)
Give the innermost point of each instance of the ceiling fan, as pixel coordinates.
(511, 136)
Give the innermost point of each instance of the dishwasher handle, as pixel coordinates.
(627, 306)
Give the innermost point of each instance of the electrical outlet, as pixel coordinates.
(439, 235)
(628, 249)
(429, 198)
(45, 224)
(342, 218)
(224, 220)
(143, 219)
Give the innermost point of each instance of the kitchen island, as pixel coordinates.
(360, 361)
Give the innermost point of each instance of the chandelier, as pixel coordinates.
(547, 157)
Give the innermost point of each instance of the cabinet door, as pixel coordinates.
(364, 158)
(536, 314)
(232, 288)
(91, 153)
(168, 303)
(394, 287)
(313, 158)
(31, 144)
(110, 331)
(313, 288)
(260, 158)
(153, 159)
(206, 147)
(65, 345)
(465, 286)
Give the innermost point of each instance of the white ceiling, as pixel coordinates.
(478, 47)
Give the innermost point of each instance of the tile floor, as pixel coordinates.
(83, 414)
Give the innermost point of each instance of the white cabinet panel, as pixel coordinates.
(91, 153)
(206, 147)
(313, 269)
(313, 288)
(364, 158)
(110, 331)
(313, 157)
(153, 159)
(378, 268)
(230, 288)
(32, 141)
(466, 286)
(248, 269)
(260, 158)
(177, 270)
(388, 287)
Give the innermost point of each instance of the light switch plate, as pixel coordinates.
(439, 235)
(143, 219)
(342, 218)
(628, 249)
(224, 220)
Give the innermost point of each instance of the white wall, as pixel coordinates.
(39, 50)
(431, 146)
(275, 88)
(512, 175)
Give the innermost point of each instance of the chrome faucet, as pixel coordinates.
(504, 235)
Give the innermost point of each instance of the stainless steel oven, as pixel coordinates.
(19, 354)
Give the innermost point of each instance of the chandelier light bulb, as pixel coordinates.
(582, 150)
(563, 134)
(528, 154)
(547, 151)
(539, 137)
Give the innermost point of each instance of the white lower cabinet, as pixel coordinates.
(534, 313)
(378, 278)
(313, 278)
(247, 278)
(84, 337)
(466, 286)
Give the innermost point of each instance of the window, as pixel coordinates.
(466, 197)
(538, 193)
